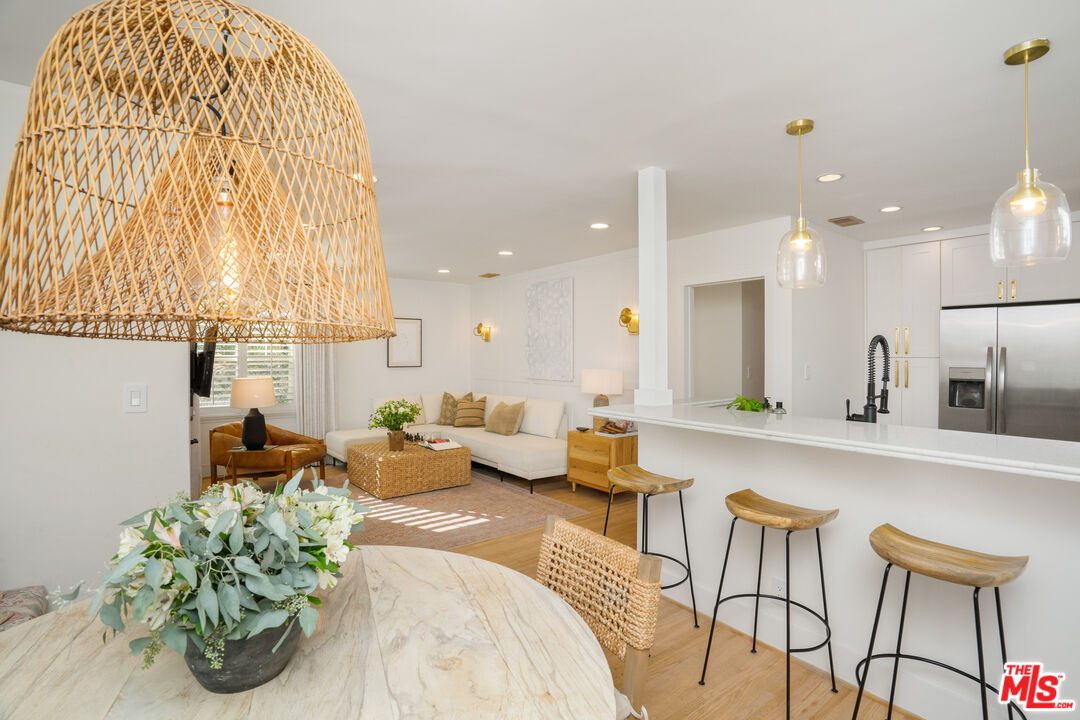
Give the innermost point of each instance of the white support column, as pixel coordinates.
(652, 289)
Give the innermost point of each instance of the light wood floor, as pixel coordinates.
(741, 685)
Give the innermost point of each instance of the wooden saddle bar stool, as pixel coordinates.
(941, 562)
(635, 479)
(753, 508)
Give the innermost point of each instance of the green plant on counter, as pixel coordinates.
(745, 403)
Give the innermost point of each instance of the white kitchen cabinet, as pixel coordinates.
(903, 300)
(969, 278)
(1049, 281)
(967, 275)
(920, 300)
(919, 391)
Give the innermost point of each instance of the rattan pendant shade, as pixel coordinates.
(185, 167)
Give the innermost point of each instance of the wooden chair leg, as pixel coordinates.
(213, 472)
(322, 469)
(635, 667)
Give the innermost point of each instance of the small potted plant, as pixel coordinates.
(394, 416)
(224, 579)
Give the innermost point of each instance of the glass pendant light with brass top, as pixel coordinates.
(1030, 223)
(800, 260)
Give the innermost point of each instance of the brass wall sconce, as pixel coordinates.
(628, 320)
(482, 330)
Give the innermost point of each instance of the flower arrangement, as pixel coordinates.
(394, 415)
(227, 566)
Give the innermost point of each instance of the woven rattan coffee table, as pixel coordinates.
(385, 474)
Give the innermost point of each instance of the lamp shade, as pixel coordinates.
(800, 260)
(186, 166)
(252, 392)
(602, 382)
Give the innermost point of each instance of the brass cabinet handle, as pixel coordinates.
(896, 375)
(905, 373)
(907, 341)
(896, 340)
(1001, 289)
(1012, 290)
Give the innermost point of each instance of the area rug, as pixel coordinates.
(450, 518)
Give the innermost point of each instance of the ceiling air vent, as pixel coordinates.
(846, 221)
(489, 275)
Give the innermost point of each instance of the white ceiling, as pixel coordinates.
(513, 125)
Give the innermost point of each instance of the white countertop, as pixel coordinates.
(1022, 456)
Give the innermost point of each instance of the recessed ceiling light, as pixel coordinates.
(506, 252)
(599, 226)
(932, 228)
(891, 209)
(443, 270)
(829, 177)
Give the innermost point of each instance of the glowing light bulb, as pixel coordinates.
(1028, 201)
(219, 231)
(801, 241)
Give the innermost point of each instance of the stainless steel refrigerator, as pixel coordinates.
(1011, 370)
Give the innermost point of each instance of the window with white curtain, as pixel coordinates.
(233, 360)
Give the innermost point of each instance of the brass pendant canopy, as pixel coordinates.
(187, 165)
(1030, 223)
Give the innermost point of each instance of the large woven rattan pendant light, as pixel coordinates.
(185, 167)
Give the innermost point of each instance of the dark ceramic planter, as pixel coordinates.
(247, 663)
(396, 439)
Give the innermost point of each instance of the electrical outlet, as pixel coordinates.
(777, 585)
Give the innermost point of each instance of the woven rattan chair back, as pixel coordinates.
(614, 588)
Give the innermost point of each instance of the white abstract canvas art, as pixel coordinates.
(549, 327)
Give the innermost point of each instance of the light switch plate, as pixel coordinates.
(135, 398)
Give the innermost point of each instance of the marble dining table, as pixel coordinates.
(407, 633)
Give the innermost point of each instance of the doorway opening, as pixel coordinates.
(725, 337)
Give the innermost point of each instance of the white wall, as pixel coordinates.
(828, 343)
(820, 327)
(75, 465)
(602, 286)
(739, 253)
(360, 367)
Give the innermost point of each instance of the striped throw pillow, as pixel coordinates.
(470, 414)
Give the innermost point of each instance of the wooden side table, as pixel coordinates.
(590, 456)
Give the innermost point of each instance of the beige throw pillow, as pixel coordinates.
(449, 407)
(470, 414)
(506, 419)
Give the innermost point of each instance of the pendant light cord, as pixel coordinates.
(1027, 152)
(800, 173)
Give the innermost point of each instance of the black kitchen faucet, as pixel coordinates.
(870, 409)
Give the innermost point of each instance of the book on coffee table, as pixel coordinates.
(439, 444)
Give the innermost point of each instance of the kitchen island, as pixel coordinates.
(997, 494)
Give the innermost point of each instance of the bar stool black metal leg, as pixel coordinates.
(611, 494)
(979, 646)
(686, 547)
(899, 639)
(757, 590)
(870, 650)
(824, 605)
(716, 607)
(1001, 637)
(787, 621)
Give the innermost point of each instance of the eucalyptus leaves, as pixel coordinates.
(230, 565)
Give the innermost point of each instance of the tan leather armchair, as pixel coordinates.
(292, 453)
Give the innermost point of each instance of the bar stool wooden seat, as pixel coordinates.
(941, 562)
(635, 479)
(750, 507)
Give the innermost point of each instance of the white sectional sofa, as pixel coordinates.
(537, 451)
